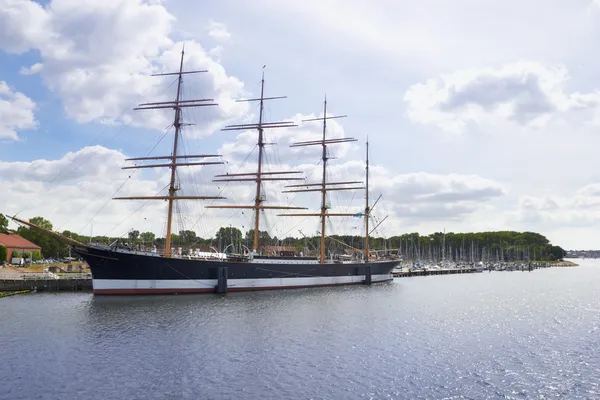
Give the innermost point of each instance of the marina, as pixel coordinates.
(411, 269)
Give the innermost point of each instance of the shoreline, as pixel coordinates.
(564, 263)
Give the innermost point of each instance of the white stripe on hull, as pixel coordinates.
(207, 285)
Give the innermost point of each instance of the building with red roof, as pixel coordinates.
(14, 242)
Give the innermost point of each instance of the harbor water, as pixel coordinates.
(496, 335)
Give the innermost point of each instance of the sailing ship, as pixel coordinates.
(117, 269)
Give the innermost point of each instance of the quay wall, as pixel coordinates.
(51, 285)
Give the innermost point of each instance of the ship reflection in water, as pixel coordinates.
(492, 335)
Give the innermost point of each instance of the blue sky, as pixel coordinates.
(480, 116)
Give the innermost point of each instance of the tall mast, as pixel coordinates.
(367, 209)
(177, 105)
(259, 176)
(324, 186)
(172, 189)
(261, 145)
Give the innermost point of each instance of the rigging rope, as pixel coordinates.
(138, 209)
(78, 165)
(121, 186)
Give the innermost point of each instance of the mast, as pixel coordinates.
(261, 145)
(172, 189)
(177, 105)
(259, 176)
(367, 209)
(324, 185)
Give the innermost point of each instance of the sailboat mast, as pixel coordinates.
(259, 176)
(174, 160)
(367, 209)
(324, 184)
(172, 188)
(261, 145)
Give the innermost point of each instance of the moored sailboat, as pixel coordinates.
(120, 270)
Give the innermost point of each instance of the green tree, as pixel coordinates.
(51, 247)
(41, 222)
(160, 242)
(3, 223)
(147, 237)
(556, 252)
(187, 237)
(133, 236)
(227, 236)
(3, 253)
(263, 239)
(262, 235)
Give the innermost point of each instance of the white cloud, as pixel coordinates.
(424, 197)
(526, 93)
(22, 23)
(76, 189)
(245, 142)
(16, 113)
(98, 56)
(571, 221)
(218, 31)
(413, 200)
(69, 191)
(85, 164)
(32, 70)
(215, 53)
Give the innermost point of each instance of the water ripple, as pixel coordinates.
(502, 335)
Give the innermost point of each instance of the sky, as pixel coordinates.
(480, 115)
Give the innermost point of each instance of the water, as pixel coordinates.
(506, 335)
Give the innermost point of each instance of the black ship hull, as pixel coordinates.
(128, 272)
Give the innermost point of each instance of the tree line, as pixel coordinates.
(439, 246)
